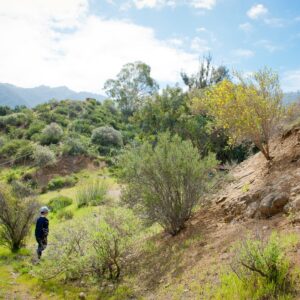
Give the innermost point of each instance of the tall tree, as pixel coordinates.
(207, 75)
(249, 109)
(132, 85)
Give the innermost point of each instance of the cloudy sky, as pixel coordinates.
(81, 43)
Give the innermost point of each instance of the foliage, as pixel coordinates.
(93, 193)
(132, 85)
(16, 217)
(59, 202)
(75, 146)
(65, 214)
(51, 134)
(106, 137)
(43, 156)
(167, 181)
(10, 148)
(207, 75)
(250, 109)
(90, 249)
(261, 270)
(59, 182)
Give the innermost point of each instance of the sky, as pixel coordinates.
(82, 43)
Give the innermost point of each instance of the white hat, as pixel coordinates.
(44, 209)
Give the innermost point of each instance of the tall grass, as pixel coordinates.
(93, 193)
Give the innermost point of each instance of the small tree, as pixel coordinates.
(107, 137)
(250, 109)
(43, 156)
(51, 134)
(16, 217)
(166, 181)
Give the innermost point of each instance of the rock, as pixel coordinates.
(273, 204)
(295, 190)
(252, 209)
(82, 296)
(265, 228)
(221, 199)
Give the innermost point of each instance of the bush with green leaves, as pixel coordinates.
(90, 248)
(106, 138)
(59, 202)
(43, 156)
(75, 146)
(51, 134)
(261, 269)
(11, 148)
(166, 181)
(93, 193)
(60, 182)
(16, 218)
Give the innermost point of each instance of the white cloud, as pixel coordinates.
(291, 81)
(199, 45)
(275, 22)
(201, 29)
(257, 11)
(269, 46)
(203, 4)
(246, 27)
(37, 48)
(140, 4)
(246, 53)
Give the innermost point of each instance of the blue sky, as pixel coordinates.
(81, 43)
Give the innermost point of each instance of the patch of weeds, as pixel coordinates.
(261, 270)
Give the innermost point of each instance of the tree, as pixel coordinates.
(250, 109)
(132, 85)
(107, 137)
(52, 134)
(16, 218)
(207, 75)
(167, 181)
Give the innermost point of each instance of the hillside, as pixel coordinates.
(12, 95)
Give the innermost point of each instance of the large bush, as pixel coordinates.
(93, 248)
(43, 156)
(75, 146)
(51, 134)
(16, 218)
(106, 137)
(166, 181)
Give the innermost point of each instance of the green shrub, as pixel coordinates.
(59, 182)
(75, 146)
(25, 153)
(51, 134)
(261, 270)
(15, 119)
(11, 147)
(93, 193)
(35, 128)
(65, 215)
(106, 138)
(43, 156)
(59, 202)
(16, 217)
(166, 182)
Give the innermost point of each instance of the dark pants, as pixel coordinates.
(42, 244)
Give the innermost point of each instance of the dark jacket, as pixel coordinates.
(41, 228)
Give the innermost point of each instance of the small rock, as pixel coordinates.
(273, 204)
(221, 199)
(252, 209)
(82, 296)
(265, 228)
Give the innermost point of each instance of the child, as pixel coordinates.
(42, 230)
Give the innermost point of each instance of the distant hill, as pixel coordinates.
(12, 95)
(291, 97)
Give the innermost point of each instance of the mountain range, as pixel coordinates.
(12, 95)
